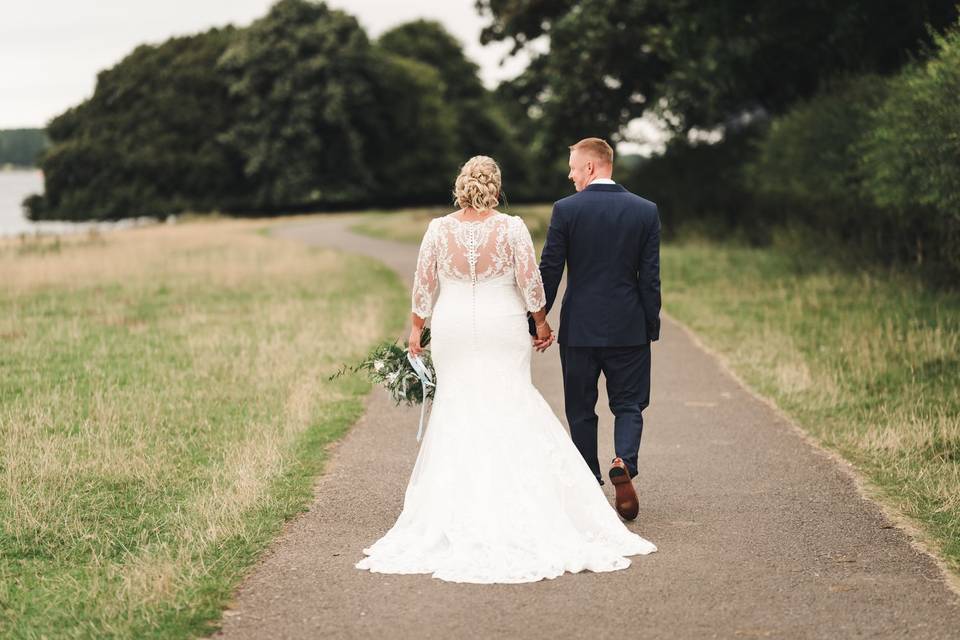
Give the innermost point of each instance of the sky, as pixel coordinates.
(51, 50)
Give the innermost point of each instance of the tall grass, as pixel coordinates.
(164, 406)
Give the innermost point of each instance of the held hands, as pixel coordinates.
(541, 342)
(544, 337)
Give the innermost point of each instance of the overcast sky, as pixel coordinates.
(51, 50)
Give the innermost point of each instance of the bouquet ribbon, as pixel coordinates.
(421, 370)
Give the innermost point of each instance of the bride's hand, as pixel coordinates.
(544, 337)
(413, 343)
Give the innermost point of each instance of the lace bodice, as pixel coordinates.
(476, 251)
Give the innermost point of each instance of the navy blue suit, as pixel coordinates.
(609, 241)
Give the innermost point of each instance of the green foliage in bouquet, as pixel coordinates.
(387, 366)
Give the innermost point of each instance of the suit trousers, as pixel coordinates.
(627, 371)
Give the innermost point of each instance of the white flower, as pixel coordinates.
(392, 376)
(378, 365)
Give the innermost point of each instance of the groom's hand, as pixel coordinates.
(544, 337)
(542, 345)
(541, 334)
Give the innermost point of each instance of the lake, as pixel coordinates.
(18, 184)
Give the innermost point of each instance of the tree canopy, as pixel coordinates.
(146, 142)
(483, 126)
(701, 63)
(323, 116)
(298, 110)
(20, 147)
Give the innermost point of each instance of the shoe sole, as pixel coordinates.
(626, 497)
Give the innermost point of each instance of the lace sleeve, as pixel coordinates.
(425, 281)
(525, 266)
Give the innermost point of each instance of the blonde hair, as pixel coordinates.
(596, 147)
(478, 184)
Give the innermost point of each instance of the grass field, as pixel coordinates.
(868, 363)
(164, 407)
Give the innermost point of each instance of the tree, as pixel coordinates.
(409, 133)
(482, 127)
(21, 147)
(146, 142)
(911, 156)
(325, 117)
(294, 78)
(703, 62)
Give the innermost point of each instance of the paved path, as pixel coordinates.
(760, 534)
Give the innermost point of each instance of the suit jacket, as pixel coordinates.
(609, 240)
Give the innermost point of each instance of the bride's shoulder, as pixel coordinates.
(511, 219)
(445, 219)
(516, 223)
(433, 229)
(437, 221)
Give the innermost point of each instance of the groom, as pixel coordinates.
(609, 240)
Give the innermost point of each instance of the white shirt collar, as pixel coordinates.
(601, 181)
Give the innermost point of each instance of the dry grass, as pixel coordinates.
(164, 404)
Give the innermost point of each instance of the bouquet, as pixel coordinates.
(409, 379)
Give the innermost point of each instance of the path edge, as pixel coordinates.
(330, 449)
(867, 490)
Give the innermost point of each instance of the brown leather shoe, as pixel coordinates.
(626, 499)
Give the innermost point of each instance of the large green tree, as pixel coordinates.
(299, 110)
(702, 63)
(327, 117)
(146, 142)
(483, 125)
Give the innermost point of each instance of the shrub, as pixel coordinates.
(806, 166)
(911, 156)
(700, 185)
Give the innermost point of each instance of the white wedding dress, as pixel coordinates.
(499, 492)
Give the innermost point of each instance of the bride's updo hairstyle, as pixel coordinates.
(478, 184)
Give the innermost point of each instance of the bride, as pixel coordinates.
(499, 493)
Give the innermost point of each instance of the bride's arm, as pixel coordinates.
(425, 286)
(530, 282)
(540, 321)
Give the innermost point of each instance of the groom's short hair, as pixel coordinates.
(596, 147)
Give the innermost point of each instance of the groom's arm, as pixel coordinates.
(554, 255)
(553, 258)
(648, 277)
